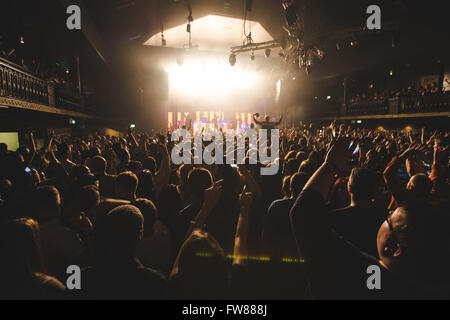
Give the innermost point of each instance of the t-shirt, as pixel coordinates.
(359, 226)
(336, 268)
(278, 238)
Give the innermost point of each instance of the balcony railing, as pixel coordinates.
(20, 84)
(405, 104)
(17, 83)
(369, 107)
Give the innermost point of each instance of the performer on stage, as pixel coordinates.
(266, 124)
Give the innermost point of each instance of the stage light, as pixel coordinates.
(22, 41)
(338, 46)
(252, 57)
(208, 78)
(67, 70)
(132, 126)
(358, 121)
(391, 72)
(328, 97)
(353, 43)
(267, 53)
(232, 59)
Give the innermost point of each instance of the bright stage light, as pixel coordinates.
(208, 78)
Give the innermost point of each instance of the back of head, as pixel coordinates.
(98, 165)
(126, 185)
(420, 184)
(308, 167)
(199, 180)
(363, 184)
(292, 165)
(120, 231)
(202, 267)
(149, 212)
(88, 197)
(297, 182)
(20, 248)
(45, 203)
(150, 164)
(145, 184)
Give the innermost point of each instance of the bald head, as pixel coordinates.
(120, 230)
(420, 184)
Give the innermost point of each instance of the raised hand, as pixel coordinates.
(340, 152)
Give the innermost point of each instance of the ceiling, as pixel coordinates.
(420, 28)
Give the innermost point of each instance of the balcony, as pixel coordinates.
(22, 89)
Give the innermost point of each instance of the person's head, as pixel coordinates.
(202, 269)
(169, 204)
(362, 185)
(149, 212)
(125, 185)
(266, 118)
(145, 184)
(98, 165)
(89, 197)
(199, 180)
(297, 182)
(64, 150)
(285, 188)
(150, 164)
(292, 166)
(308, 167)
(135, 166)
(45, 203)
(123, 155)
(183, 171)
(413, 240)
(420, 185)
(20, 250)
(119, 232)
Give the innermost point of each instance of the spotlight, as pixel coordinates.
(232, 59)
(391, 72)
(180, 60)
(338, 46)
(353, 43)
(267, 53)
(252, 57)
(22, 41)
(308, 69)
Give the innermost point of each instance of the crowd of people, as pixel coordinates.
(52, 73)
(409, 91)
(343, 201)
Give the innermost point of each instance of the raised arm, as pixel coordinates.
(162, 177)
(309, 219)
(241, 237)
(255, 115)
